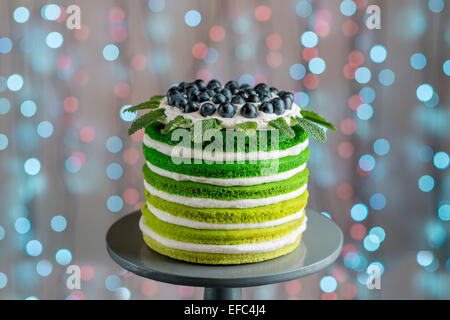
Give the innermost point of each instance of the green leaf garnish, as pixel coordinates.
(282, 125)
(314, 131)
(208, 124)
(175, 123)
(153, 103)
(249, 127)
(314, 117)
(146, 120)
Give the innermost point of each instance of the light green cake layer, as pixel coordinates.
(284, 142)
(230, 215)
(220, 237)
(218, 258)
(224, 170)
(209, 191)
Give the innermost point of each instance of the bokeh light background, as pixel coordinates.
(68, 169)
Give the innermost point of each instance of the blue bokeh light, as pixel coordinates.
(15, 82)
(3, 280)
(297, 71)
(63, 257)
(436, 233)
(113, 282)
(114, 203)
(22, 225)
(378, 53)
(3, 142)
(32, 166)
(379, 233)
(367, 94)
(424, 92)
(114, 171)
(359, 212)
(317, 65)
(348, 8)
(240, 25)
(50, 12)
(418, 61)
(28, 108)
(301, 99)
(381, 147)
(243, 51)
(424, 258)
(441, 160)
(58, 223)
(34, 248)
(367, 162)
(45, 129)
(444, 212)
(111, 52)
(2, 233)
(21, 14)
(246, 78)
(114, 144)
(446, 67)
(303, 8)
(309, 39)
(386, 77)
(122, 293)
(192, 18)
(5, 45)
(436, 6)
(371, 242)
(5, 106)
(212, 56)
(426, 183)
(364, 111)
(54, 40)
(156, 5)
(44, 268)
(328, 284)
(127, 116)
(377, 201)
(363, 75)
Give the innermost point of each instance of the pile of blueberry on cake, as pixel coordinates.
(235, 204)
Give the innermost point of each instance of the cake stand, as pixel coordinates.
(320, 246)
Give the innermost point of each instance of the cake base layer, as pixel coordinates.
(219, 258)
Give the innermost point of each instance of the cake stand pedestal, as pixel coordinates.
(320, 246)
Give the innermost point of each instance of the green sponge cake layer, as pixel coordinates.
(265, 143)
(220, 237)
(203, 190)
(230, 215)
(224, 170)
(218, 258)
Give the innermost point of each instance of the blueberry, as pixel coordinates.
(237, 100)
(262, 88)
(266, 107)
(264, 98)
(213, 84)
(202, 96)
(201, 85)
(181, 101)
(244, 86)
(253, 98)
(249, 111)
(218, 89)
(191, 92)
(171, 95)
(288, 99)
(232, 85)
(211, 93)
(183, 85)
(251, 91)
(226, 110)
(243, 94)
(219, 98)
(227, 93)
(191, 107)
(278, 106)
(207, 109)
(234, 90)
(273, 90)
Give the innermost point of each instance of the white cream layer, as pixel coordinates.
(230, 123)
(258, 247)
(167, 217)
(179, 151)
(248, 181)
(215, 203)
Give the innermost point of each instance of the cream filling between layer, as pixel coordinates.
(167, 217)
(258, 247)
(215, 203)
(179, 151)
(247, 181)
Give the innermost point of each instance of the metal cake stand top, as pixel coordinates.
(320, 246)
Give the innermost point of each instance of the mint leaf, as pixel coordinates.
(282, 125)
(314, 117)
(249, 127)
(197, 135)
(314, 131)
(175, 123)
(150, 104)
(146, 119)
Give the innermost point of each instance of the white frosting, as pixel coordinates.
(257, 247)
(230, 123)
(247, 181)
(222, 156)
(215, 203)
(167, 217)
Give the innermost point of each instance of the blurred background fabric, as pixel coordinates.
(68, 169)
